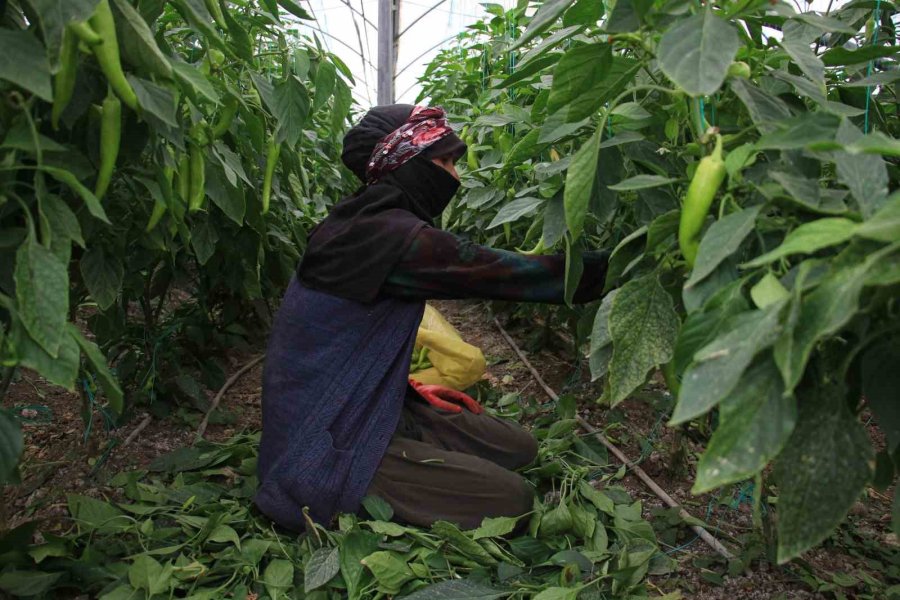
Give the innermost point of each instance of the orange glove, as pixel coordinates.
(444, 398)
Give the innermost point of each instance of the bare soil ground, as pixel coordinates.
(60, 459)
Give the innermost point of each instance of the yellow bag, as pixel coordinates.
(453, 362)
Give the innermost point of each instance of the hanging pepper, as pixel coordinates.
(64, 80)
(183, 184)
(216, 11)
(107, 54)
(273, 150)
(110, 140)
(197, 189)
(223, 123)
(160, 208)
(83, 32)
(707, 179)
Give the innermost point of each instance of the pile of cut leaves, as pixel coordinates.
(186, 528)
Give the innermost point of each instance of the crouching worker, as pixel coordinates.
(340, 417)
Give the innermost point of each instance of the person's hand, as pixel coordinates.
(446, 398)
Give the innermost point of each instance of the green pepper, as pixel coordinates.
(183, 184)
(216, 11)
(273, 150)
(223, 123)
(739, 69)
(110, 140)
(197, 188)
(160, 208)
(64, 80)
(707, 179)
(85, 33)
(107, 54)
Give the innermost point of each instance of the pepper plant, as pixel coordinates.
(160, 162)
(739, 160)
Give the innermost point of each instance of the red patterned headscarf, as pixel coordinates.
(424, 127)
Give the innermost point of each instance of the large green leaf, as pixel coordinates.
(155, 99)
(204, 237)
(642, 182)
(60, 370)
(838, 57)
(24, 63)
(42, 290)
(884, 225)
(389, 569)
(95, 515)
(102, 274)
(580, 181)
(326, 76)
(291, 107)
(145, 573)
(107, 380)
(601, 348)
(822, 470)
(457, 589)
(515, 210)
(574, 270)
(27, 584)
(643, 326)
(194, 80)
(578, 80)
(695, 53)
(823, 312)
(136, 40)
(10, 446)
(532, 68)
(881, 380)
(279, 578)
(755, 422)
(321, 568)
(866, 176)
(766, 110)
(721, 240)
(54, 15)
(809, 238)
(355, 546)
(718, 366)
(545, 16)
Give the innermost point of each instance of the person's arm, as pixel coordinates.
(438, 264)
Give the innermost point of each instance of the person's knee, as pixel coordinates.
(523, 449)
(521, 497)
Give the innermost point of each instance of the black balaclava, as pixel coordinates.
(351, 253)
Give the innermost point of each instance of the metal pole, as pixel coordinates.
(386, 57)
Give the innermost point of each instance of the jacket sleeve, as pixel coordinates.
(440, 265)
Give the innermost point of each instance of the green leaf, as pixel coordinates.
(494, 527)
(642, 182)
(61, 370)
(291, 107)
(556, 521)
(809, 238)
(42, 291)
(695, 53)
(23, 62)
(755, 422)
(321, 568)
(204, 237)
(518, 208)
(799, 50)
(578, 80)
(583, 12)
(90, 200)
(721, 240)
(145, 573)
(279, 578)
(10, 446)
(580, 181)
(136, 40)
(530, 69)
(558, 593)
(155, 100)
(884, 225)
(866, 176)
(461, 542)
(766, 110)
(822, 312)
(644, 326)
(596, 497)
(387, 528)
(574, 270)
(325, 79)
(457, 589)
(881, 380)
(822, 470)
(378, 508)
(768, 291)
(600, 351)
(545, 16)
(21, 584)
(389, 569)
(295, 9)
(802, 131)
(190, 77)
(355, 546)
(95, 357)
(718, 366)
(225, 534)
(839, 56)
(102, 274)
(54, 15)
(95, 515)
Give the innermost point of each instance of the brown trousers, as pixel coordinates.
(455, 467)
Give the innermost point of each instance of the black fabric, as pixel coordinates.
(352, 251)
(450, 146)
